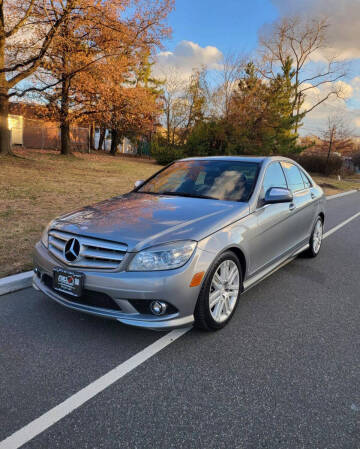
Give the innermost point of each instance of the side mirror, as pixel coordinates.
(139, 183)
(278, 195)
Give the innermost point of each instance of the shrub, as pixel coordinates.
(208, 139)
(164, 153)
(356, 158)
(318, 163)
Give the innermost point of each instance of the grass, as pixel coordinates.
(37, 186)
(331, 185)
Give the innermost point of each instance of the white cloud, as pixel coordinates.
(342, 42)
(315, 121)
(186, 56)
(344, 19)
(346, 90)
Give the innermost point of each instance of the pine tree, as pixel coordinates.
(261, 114)
(283, 139)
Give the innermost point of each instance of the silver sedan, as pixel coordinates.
(183, 245)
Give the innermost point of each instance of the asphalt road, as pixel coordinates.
(285, 373)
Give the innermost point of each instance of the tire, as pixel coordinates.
(315, 244)
(225, 293)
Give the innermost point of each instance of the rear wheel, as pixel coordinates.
(315, 239)
(220, 293)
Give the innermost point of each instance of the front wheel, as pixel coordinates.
(315, 239)
(219, 295)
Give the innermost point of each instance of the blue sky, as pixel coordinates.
(203, 30)
(227, 25)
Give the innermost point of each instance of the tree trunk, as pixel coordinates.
(168, 124)
(332, 132)
(92, 136)
(5, 144)
(65, 138)
(101, 138)
(115, 140)
(64, 117)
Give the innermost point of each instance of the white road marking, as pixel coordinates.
(54, 415)
(339, 226)
(75, 401)
(339, 195)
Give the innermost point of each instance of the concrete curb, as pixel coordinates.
(15, 282)
(339, 195)
(23, 280)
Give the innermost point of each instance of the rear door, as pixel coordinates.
(273, 235)
(303, 208)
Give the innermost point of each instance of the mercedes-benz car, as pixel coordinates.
(183, 245)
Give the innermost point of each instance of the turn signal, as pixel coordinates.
(197, 278)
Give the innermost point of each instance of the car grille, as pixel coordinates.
(88, 297)
(94, 253)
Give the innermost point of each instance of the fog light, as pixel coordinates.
(158, 307)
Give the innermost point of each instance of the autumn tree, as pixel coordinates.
(301, 39)
(174, 107)
(109, 36)
(125, 101)
(184, 102)
(195, 101)
(138, 109)
(27, 30)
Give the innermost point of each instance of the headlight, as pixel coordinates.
(163, 257)
(45, 235)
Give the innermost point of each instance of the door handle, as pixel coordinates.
(313, 195)
(292, 206)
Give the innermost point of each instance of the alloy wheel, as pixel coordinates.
(224, 291)
(317, 236)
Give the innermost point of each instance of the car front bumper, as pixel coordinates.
(172, 286)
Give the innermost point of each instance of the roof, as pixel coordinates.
(257, 159)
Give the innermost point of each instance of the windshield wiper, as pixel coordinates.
(188, 195)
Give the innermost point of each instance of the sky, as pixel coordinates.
(204, 30)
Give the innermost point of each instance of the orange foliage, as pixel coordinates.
(90, 71)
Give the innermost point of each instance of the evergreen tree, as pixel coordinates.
(261, 114)
(283, 139)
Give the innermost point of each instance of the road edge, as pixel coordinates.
(339, 195)
(20, 281)
(15, 282)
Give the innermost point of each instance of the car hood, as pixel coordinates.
(142, 220)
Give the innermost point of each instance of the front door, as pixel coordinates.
(273, 235)
(304, 206)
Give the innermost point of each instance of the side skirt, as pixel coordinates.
(251, 282)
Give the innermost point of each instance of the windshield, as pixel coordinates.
(217, 179)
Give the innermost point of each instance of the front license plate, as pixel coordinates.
(68, 282)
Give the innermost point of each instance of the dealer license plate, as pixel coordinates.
(68, 281)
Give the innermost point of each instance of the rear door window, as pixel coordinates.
(307, 181)
(293, 176)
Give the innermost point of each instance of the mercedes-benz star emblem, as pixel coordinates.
(72, 250)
